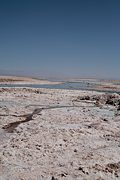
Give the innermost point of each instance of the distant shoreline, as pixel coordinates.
(72, 84)
(24, 80)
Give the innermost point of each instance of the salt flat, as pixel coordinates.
(58, 134)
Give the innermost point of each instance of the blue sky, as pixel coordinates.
(60, 38)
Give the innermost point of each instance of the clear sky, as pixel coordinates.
(60, 38)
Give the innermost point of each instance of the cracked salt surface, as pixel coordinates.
(103, 113)
(65, 126)
(64, 143)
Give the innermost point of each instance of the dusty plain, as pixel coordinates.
(48, 134)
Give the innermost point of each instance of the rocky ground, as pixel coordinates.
(59, 134)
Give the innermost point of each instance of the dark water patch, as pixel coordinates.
(11, 126)
(28, 117)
